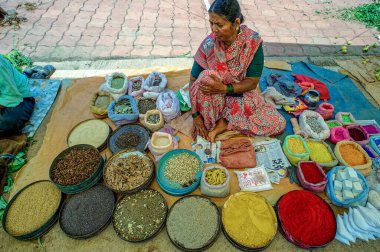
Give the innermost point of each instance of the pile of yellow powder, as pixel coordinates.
(295, 145)
(319, 152)
(249, 220)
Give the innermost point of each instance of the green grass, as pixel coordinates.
(366, 13)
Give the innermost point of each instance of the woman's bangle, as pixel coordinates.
(195, 115)
(230, 89)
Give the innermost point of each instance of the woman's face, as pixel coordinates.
(224, 30)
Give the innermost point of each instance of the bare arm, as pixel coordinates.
(248, 84)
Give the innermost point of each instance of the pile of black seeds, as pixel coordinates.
(140, 216)
(153, 118)
(136, 86)
(87, 212)
(128, 140)
(157, 80)
(146, 105)
(75, 166)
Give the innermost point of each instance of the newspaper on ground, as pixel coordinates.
(207, 151)
(269, 154)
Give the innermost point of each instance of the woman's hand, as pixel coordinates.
(199, 127)
(213, 85)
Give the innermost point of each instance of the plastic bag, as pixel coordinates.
(360, 199)
(215, 190)
(324, 129)
(116, 93)
(294, 158)
(120, 119)
(137, 93)
(168, 104)
(184, 97)
(153, 126)
(155, 82)
(19, 160)
(254, 179)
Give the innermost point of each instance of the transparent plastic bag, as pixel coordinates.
(254, 179)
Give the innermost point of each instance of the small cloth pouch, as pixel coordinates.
(237, 153)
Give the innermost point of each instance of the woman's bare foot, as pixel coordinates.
(220, 127)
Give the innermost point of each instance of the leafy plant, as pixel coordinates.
(366, 13)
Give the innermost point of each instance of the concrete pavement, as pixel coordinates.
(118, 29)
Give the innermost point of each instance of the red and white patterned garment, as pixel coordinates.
(249, 114)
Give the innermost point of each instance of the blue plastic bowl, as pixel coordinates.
(168, 186)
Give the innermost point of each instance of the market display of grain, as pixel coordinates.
(319, 152)
(32, 208)
(295, 145)
(182, 169)
(139, 216)
(193, 222)
(127, 173)
(145, 105)
(249, 220)
(87, 212)
(128, 140)
(75, 166)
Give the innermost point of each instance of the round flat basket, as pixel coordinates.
(180, 161)
(129, 136)
(77, 169)
(130, 165)
(86, 214)
(193, 223)
(305, 219)
(141, 216)
(32, 211)
(93, 132)
(249, 221)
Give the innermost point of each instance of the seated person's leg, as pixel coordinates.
(220, 127)
(12, 119)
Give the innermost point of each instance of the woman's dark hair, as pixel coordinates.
(228, 8)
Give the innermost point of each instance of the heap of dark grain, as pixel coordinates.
(146, 105)
(157, 80)
(128, 140)
(127, 173)
(139, 216)
(136, 85)
(87, 212)
(75, 166)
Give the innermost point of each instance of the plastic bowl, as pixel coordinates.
(170, 187)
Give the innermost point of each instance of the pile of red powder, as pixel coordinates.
(311, 173)
(306, 219)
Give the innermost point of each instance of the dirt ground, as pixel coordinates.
(56, 240)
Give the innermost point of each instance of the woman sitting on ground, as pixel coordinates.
(224, 79)
(16, 101)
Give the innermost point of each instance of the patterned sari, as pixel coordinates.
(249, 114)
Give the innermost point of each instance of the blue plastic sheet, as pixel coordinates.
(345, 96)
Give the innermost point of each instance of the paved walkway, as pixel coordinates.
(103, 29)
